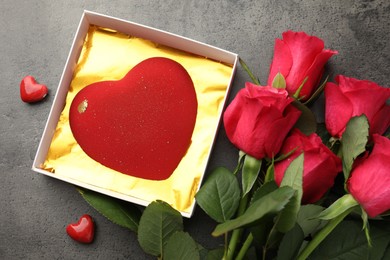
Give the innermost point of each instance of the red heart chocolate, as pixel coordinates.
(83, 231)
(31, 91)
(140, 125)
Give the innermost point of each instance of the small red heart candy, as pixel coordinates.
(140, 125)
(31, 91)
(83, 231)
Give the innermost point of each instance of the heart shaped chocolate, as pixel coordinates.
(140, 125)
(83, 231)
(31, 91)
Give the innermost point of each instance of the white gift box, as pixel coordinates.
(135, 30)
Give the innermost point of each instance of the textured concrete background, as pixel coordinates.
(35, 38)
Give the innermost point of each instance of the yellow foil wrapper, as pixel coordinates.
(109, 55)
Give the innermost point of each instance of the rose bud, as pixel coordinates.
(299, 56)
(352, 97)
(321, 165)
(259, 118)
(369, 182)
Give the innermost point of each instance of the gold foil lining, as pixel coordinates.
(109, 55)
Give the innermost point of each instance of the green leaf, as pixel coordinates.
(246, 68)
(219, 196)
(180, 245)
(290, 244)
(203, 252)
(348, 241)
(216, 254)
(292, 178)
(265, 189)
(261, 230)
(386, 254)
(158, 222)
(293, 175)
(306, 220)
(271, 203)
(298, 92)
(241, 158)
(306, 123)
(323, 133)
(269, 175)
(353, 142)
(250, 172)
(366, 226)
(285, 156)
(251, 253)
(117, 211)
(279, 81)
(318, 92)
(338, 207)
(321, 235)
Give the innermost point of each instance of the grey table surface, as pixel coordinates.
(35, 38)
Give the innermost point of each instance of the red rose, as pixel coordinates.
(259, 118)
(298, 56)
(369, 183)
(320, 165)
(352, 97)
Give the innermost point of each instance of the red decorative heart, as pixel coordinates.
(140, 125)
(31, 91)
(83, 231)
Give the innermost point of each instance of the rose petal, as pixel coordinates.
(366, 96)
(381, 121)
(338, 110)
(369, 183)
(304, 50)
(320, 165)
(276, 137)
(318, 180)
(282, 61)
(372, 191)
(314, 73)
(353, 97)
(258, 120)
